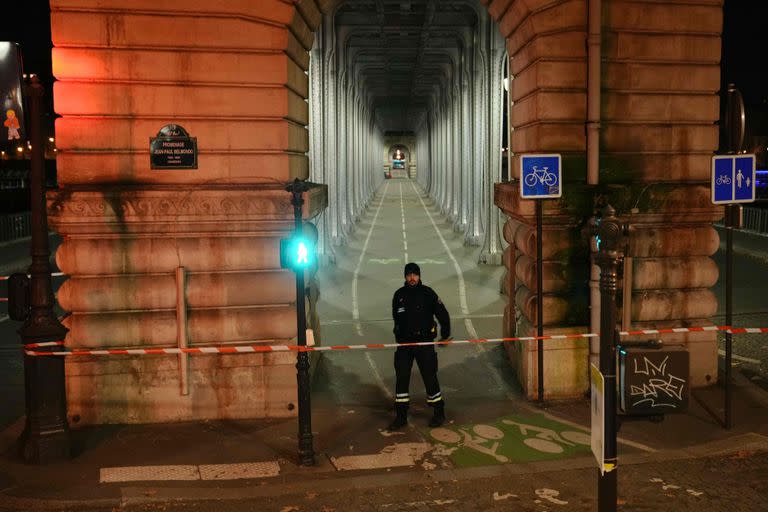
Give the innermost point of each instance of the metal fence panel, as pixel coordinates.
(756, 219)
(14, 226)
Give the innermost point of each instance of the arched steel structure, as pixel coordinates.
(425, 69)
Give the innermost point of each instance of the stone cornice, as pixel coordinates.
(660, 203)
(130, 209)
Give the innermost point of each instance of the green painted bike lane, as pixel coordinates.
(508, 439)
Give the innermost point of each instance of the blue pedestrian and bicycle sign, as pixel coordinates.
(733, 179)
(541, 176)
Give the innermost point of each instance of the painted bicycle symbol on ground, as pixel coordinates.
(484, 440)
(542, 175)
(508, 439)
(547, 440)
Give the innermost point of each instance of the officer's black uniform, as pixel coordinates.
(414, 309)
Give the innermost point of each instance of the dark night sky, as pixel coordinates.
(745, 43)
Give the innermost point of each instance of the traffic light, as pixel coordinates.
(297, 252)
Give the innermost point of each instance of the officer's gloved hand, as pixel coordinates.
(445, 338)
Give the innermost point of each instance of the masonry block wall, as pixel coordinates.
(659, 106)
(233, 75)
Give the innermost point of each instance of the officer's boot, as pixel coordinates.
(438, 415)
(401, 419)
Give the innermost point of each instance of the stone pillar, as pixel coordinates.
(565, 291)
(233, 75)
(659, 108)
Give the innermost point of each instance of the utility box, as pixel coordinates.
(653, 381)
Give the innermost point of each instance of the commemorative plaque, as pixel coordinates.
(173, 148)
(12, 129)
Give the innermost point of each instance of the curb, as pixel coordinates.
(148, 495)
(152, 495)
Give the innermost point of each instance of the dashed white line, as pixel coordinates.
(459, 274)
(402, 219)
(355, 308)
(3, 318)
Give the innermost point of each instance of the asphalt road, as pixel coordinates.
(750, 302)
(733, 483)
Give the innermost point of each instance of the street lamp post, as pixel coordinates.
(611, 236)
(46, 433)
(306, 451)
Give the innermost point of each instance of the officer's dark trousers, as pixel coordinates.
(426, 359)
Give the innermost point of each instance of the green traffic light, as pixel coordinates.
(296, 253)
(302, 252)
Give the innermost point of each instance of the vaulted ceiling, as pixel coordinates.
(405, 51)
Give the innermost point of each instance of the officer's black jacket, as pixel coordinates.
(414, 309)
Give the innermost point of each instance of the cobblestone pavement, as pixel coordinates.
(750, 350)
(732, 483)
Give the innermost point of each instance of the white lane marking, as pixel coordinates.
(378, 378)
(355, 308)
(459, 274)
(384, 261)
(3, 318)
(402, 219)
(740, 358)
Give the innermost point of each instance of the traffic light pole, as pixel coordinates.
(611, 233)
(46, 433)
(306, 451)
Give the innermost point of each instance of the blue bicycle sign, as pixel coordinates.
(540, 176)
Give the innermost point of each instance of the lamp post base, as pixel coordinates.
(42, 446)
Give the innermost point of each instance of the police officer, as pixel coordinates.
(414, 308)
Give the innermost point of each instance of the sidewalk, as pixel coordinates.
(115, 466)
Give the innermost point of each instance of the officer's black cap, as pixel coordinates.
(412, 268)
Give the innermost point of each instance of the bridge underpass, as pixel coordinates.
(324, 90)
(489, 421)
(425, 77)
(419, 84)
(403, 225)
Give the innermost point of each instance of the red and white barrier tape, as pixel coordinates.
(46, 344)
(53, 274)
(255, 348)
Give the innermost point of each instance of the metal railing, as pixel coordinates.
(14, 226)
(756, 219)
